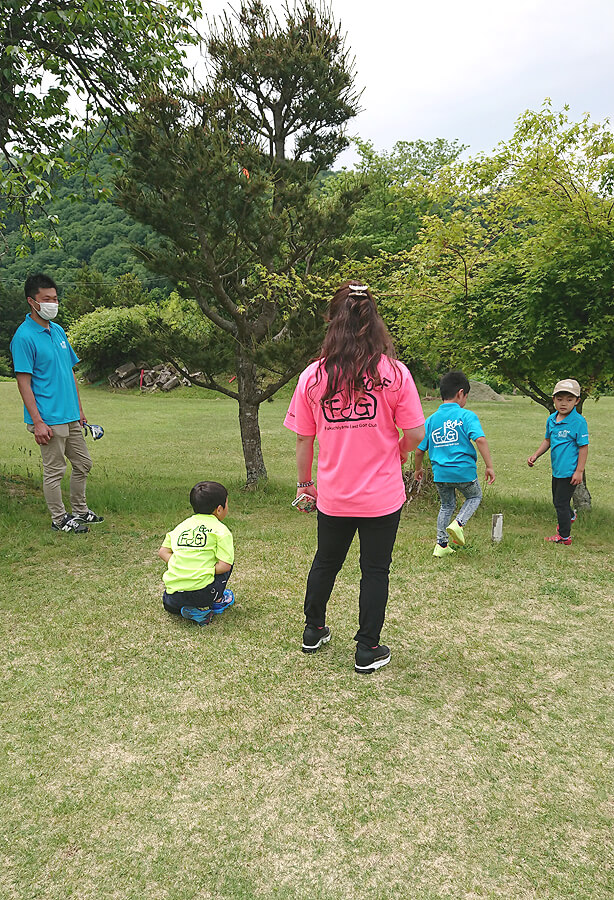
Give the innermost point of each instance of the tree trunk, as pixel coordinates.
(249, 405)
(581, 495)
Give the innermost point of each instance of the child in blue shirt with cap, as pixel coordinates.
(449, 433)
(567, 439)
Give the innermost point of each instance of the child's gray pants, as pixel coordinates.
(472, 492)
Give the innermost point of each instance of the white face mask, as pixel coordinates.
(47, 310)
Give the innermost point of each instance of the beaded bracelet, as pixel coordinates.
(302, 484)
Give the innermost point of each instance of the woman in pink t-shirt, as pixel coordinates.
(354, 399)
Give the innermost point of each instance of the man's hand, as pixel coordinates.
(490, 475)
(42, 433)
(576, 478)
(419, 474)
(531, 460)
(82, 419)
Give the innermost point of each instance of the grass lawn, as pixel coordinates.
(144, 757)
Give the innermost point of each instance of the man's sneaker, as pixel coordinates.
(314, 637)
(456, 532)
(557, 539)
(227, 600)
(89, 518)
(368, 659)
(199, 616)
(70, 523)
(442, 551)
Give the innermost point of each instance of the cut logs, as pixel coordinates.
(163, 377)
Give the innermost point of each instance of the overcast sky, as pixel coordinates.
(467, 70)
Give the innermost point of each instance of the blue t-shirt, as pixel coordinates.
(48, 357)
(448, 436)
(566, 437)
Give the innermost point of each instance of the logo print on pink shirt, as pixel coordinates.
(359, 409)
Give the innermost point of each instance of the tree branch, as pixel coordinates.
(210, 383)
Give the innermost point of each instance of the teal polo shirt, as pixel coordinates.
(47, 356)
(566, 437)
(448, 436)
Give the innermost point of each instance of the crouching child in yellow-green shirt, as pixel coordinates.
(199, 554)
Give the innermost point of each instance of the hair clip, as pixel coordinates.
(359, 288)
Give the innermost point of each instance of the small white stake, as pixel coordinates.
(497, 527)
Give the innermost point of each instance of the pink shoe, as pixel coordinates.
(557, 539)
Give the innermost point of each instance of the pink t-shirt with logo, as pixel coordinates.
(359, 467)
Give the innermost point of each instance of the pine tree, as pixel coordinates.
(230, 177)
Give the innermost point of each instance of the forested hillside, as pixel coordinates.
(92, 231)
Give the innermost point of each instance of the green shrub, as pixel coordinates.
(106, 338)
(174, 330)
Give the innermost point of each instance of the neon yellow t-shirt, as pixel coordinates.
(197, 544)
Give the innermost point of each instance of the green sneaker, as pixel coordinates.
(456, 533)
(442, 551)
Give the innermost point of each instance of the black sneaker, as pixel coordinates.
(368, 659)
(314, 637)
(89, 518)
(70, 523)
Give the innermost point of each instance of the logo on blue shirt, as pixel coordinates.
(447, 434)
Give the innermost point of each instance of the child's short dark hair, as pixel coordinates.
(453, 382)
(35, 282)
(206, 496)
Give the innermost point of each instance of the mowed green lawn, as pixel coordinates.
(144, 757)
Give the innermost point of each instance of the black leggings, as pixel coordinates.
(335, 534)
(562, 492)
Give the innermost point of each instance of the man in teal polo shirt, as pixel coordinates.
(43, 361)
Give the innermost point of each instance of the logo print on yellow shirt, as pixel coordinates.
(193, 537)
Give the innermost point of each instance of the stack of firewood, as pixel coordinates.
(158, 378)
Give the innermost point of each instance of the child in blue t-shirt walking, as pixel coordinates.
(567, 440)
(449, 433)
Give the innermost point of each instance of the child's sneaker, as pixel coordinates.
(368, 659)
(442, 551)
(557, 539)
(89, 518)
(227, 600)
(456, 533)
(70, 523)
(314, 637)
(574, 516)
(199, 616)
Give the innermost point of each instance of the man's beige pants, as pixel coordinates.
(67, 443)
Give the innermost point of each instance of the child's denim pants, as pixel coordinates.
(472, 492)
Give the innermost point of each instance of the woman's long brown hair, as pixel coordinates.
(355, 340)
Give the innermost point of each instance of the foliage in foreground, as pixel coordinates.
(101, 53)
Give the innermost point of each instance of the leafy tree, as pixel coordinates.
(388, 218)
(229, 178)
(102, 53)
(93, 290)
(520, 269)
(13, 309)
(515, 276)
